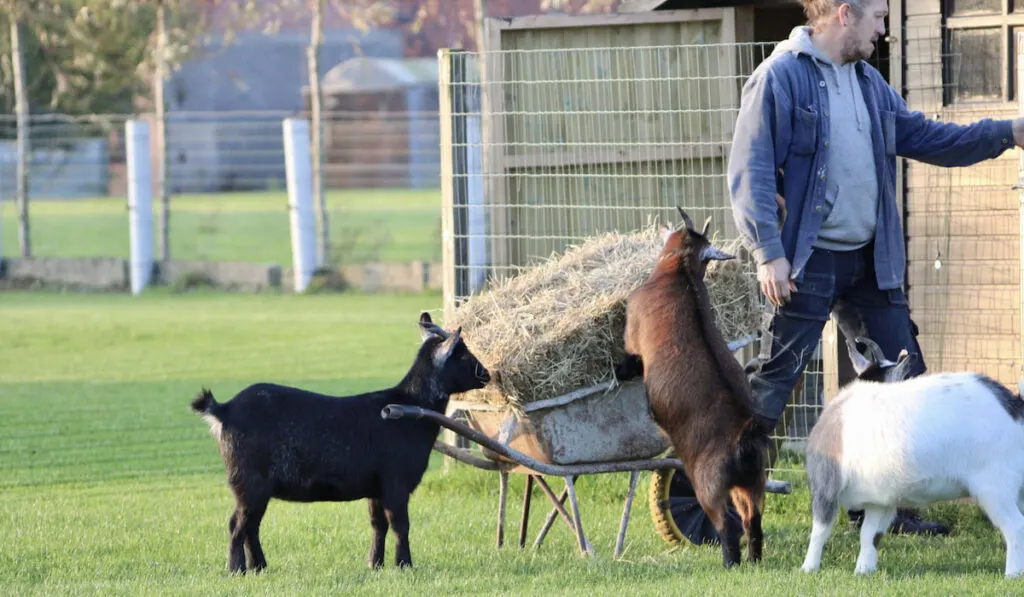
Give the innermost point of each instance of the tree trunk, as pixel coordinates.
(161, 130)
(21, 109)
(316, 131)
(479, 14)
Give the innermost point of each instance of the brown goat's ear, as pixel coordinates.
(707, 226)
(445, 349)
(666, 232)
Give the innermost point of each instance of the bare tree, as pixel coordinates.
(21, 109)
(316, 36)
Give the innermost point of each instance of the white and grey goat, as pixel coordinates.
(886, 442)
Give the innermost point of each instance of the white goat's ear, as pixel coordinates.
(712, 252)
(445, 349)
(860, 362)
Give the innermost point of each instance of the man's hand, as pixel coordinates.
(1018, 131)
(775, 282)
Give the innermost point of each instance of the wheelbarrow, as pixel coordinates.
(604, 428)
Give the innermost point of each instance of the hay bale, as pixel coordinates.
(558, 326)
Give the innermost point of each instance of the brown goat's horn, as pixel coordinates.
(707, 226)
(686, 218)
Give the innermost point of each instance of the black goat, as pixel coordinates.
(290, 444)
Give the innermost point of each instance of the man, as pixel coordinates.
(822, 128)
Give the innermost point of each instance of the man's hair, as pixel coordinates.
(819, 10)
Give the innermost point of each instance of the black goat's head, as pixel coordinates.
(871, 365)
(455, 366)
(694, 247)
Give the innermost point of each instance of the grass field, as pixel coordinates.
(110, 486)
(366, 226)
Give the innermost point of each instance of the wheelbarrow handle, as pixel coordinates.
(401, 411)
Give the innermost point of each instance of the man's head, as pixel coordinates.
(853, 26)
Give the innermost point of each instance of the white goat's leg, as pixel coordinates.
(1003, 510)
(820, 532)
(876, 523)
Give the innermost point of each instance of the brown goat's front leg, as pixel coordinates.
(629, 367)
(379, 523)
(396, 508)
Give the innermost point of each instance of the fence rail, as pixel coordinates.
(83, 156)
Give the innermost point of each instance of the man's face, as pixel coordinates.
(861, 32)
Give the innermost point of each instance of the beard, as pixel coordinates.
(852, 50)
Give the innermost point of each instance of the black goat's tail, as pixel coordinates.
(204, 402)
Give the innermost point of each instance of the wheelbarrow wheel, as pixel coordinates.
(676, 512)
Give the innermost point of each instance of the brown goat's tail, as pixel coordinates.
(753, 445)
(204, 403)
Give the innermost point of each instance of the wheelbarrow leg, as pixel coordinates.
(585, 547)
(634, 476)
(559, 509)
(526, 511)
(554, 511)
(502, 498)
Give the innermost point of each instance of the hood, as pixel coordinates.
(799, 41)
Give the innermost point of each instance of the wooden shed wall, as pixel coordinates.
(968, 310)
(601, 124)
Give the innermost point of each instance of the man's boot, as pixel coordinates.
(907, 522)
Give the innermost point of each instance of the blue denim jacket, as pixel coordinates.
(780, 145)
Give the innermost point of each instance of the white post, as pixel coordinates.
(476, 205)
(140, 203)
(299, 175)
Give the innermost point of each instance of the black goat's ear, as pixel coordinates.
(429, 329)
(445, 349)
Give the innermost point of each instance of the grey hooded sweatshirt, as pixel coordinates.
(852, 188)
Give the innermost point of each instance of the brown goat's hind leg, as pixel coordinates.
(748, 504)
(714, 505)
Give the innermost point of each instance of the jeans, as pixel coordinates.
(840, 283)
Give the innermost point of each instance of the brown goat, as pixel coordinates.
(697, 391)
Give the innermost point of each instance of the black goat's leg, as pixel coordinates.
(379, 524)
(254, 557)
(396, 507)
(236, 545)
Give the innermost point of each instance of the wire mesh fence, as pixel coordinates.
(963, 224)
(550, 147)
(226, 181)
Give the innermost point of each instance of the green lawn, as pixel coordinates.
(366, 226)
(109, 485)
